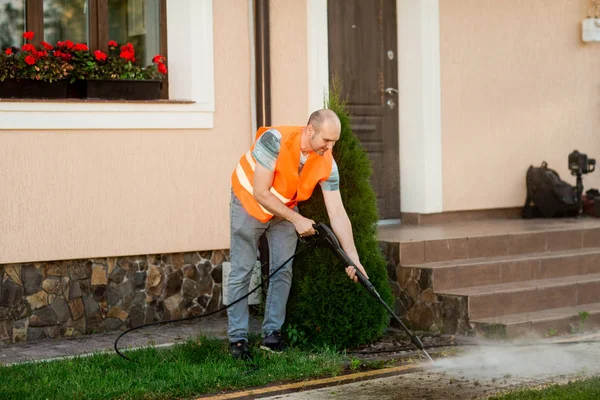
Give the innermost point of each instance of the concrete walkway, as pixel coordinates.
(161, 336)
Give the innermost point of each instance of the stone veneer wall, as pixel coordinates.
(416, 303)
(75, 297)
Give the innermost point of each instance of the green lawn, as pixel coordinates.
(588, 389)
(183, 371)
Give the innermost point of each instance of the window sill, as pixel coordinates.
(165, 101)
(41, 114)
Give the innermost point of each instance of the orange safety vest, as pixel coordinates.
(288, 186)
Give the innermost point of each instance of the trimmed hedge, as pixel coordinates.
(325, 306)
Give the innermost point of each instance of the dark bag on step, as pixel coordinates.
(548, 196)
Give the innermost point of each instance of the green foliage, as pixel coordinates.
(295, 336)
(38, 65)
(580, 326)
(324, 303)
(574, 390)
(186, 370)
(551, 332)
(68, 60)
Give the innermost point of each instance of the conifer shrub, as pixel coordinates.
(325, 306)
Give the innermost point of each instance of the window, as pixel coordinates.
(191, 78)
(12, 23)
(94, 22)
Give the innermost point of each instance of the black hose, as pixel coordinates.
(306, 247)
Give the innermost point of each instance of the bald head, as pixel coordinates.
(321, 133)
(325, 119)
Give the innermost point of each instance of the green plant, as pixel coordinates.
(75, 61)
(324, 303)
(580, 326)
(355, 363)
(295, 336)
(32, 63)
(551, 333)
(185, 370)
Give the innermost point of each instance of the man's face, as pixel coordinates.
(323, 140)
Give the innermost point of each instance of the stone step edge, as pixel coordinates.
(547, 315)
(487, 235)
(465, 262)
(521, 286)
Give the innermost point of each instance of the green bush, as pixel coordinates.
(325, 305)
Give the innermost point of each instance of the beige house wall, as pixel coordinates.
(289, 62)
(518, 87)
(79, 194)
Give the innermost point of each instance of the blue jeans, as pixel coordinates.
(245, 233)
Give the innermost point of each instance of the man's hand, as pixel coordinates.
(304, 226)
(352, 272)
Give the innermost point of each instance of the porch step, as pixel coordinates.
(464, 275)
(446, 275)
(418, 250)
(545, 323)
(500, 300)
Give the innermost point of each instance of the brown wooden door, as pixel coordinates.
(362, 54)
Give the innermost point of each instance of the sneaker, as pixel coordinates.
(273, 342)
(239, 350)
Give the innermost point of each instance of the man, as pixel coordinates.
(281, 169)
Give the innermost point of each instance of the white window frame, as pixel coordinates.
(191, 78)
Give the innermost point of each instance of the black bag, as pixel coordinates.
(547, 195)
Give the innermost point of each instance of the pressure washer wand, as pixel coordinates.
(327, 238)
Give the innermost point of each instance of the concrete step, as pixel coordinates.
(492, 245)
(454, 274)
(543, 323)
(499, 300)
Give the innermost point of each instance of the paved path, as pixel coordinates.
(478, 373)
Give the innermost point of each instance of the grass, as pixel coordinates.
(183, 371)
(580, 390)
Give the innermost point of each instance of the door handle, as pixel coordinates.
(391, 90)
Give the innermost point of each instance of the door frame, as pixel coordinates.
(419, 100)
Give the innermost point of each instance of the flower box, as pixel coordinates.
(92, 74)
(33, 89)
(122, 89)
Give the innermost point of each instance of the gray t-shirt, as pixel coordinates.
(266, 152)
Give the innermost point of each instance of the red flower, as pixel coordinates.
(127, 55)
(100, 56)
(128, 48)
(69, 44)
(80, 47)
(66, 56)
(162, 68)
(112, 43)
(28, 47)
(8, 51)
(158, 59)
(30, 60)
(47, 46)
(41, 54)
(28, 35)
(60, 44)
(58, 53)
